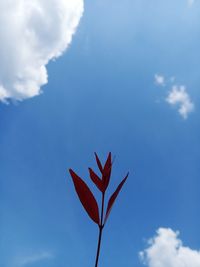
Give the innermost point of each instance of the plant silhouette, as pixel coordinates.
(88, 200)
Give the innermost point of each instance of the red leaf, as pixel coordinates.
(107, 171)
(95, 178)
(108, 162)
(98, 163)
(113, 198)
(86, 197)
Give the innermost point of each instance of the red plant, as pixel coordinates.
(88, 200)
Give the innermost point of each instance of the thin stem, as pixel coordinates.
(100, 230)
(99, 246)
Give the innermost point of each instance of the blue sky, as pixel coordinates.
(102, 96)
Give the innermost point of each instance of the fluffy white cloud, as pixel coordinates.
(167, 250)
(159, 79)
(32, 33)
(179, 96)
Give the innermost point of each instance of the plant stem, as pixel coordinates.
(99, 246)
(100, 230)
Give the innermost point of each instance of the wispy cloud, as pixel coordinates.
(191, 2)
(34, 258)
(167, 250)
(159, 79)
(178, 96)
(32, 33)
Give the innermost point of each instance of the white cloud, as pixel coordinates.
(159, 79)
(32, 33)
(167, 250)
(179, 96)
(34, 258)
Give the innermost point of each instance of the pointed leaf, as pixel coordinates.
(113, 198)
(98, 163)
(96, 180)
(107, 171)
(108, 162)
(86, 197)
